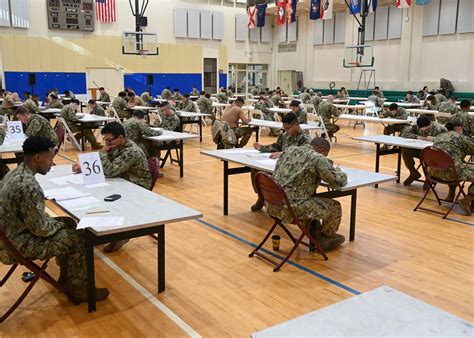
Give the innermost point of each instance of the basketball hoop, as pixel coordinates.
(143, 52)
(355, 64)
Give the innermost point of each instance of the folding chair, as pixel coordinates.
(318, 120)
(272, 193)
(433, 158)
(154, 166)
(38, 271)
(309, 107)
(372, 109)
(69, 135)
(113, 113)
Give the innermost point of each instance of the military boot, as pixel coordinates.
(330, 242)
(115, 246)
(258, 205)
(414, 175)
(451, 193)
(79, 293)
(465, 204)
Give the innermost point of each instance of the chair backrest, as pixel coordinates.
(60, 131)
(153, 165)
(198, 110)
(113, 113)
(272, 192)
(69, 133)
(319, 120)
(438, 160)
(309, 107)
(18, 257)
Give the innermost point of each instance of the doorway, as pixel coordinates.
(210, 75)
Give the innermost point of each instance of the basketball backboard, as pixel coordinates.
(358, 56)
(138, 43)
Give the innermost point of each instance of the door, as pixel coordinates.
(210, 75)
(285, 80)
(109, 78)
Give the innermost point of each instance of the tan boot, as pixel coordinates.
(115, 246)
(330, 242)
(79, 293)
(465, 204)
(258, 205)
(413, 177)
(451, 193)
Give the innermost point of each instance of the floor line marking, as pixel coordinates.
(299, 266)
(149, 296)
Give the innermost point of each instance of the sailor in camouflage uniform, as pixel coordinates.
(315, 101)
(394, 112)
(195, 91)
(3, 167)
(222, 96)
(120, 106)
(466, 119)
(96, 109)
(136, 128)
(447, 107)
(327, 110)
(425, 130)
(54, 103)
(32, 104)
(299, 111)
(305, 97)
(375, 99)
(146, 97)
(293, 136)
(205, 105)
(36, 125)
(166, 93)
(35, 234)
(264, 104)
(169, 119)
(300, 171)
(69, 114)
(104, 96)
(458, 146)
(276, 99)
(410, 98)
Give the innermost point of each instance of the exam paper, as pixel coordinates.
(63, 180)
(100, 223)
(269, 161)
(241, 151)
(81, 203)
(62, 194)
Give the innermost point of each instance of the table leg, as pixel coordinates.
(161, 259)
(89, 237)
(83, 139)
(377, 160)
(181, 159)
(399, 162)
(200, 128)
(257, 132)
(226, 188)
(353, 215)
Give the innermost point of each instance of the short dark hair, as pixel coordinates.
(114, 128)
(66, 92)
(453, 124)
(35, 95)
(26, 93)
(37, 145)
(409, 92)
(453, 98)
(76, 101)
(186, 95)
(320, 142)
(289, 118)
(239, 100)
(130, 94)
(295, 103)
(176, 90)
(376, 87)
(208, 95)
(101, 88)
(54, 97)
(165, 104)
(91, 101)
(203, 92)
(21, 111)
(393, 107)
(465, 104)
(423, 121)
(122, 94)
(431, 98)
(140, 114)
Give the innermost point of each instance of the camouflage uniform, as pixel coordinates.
(176, 96)
(430, 106)
(171, 122)
(459, 146)
(69, 115)
(285, 141)
(55, 104)
(3, 167)
(128, 162)
(277, 100)
(120, 106)
(166, 94)
(98, 110)
(104, 97)
(135, 129)
(145, 97)
(376, 100)
(300, 171)
(467, 122)
(412, 99)
(33, 232)
(400, 114)
(446, 107)
(316, 100)
(440, 98)
(222, 98)
(305, 97)
(187, 105)
(8, 106)
(264, 106)
(412, 132)
(302, 116)
(39, 126)
(254, 91)
(447, 87)
(326, 111)
(31, 106)
(205, 106)
(195, 92)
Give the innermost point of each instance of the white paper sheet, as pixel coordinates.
(241, 151)
(63, 180)
(270, 161)
(62, 194)
(100, 222)
(81, 203)
(260, 155)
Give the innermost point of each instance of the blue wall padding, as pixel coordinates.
(18, 82)
(184, 82)
(223, 80)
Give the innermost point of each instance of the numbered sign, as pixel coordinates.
(91, 168)
(15, 130)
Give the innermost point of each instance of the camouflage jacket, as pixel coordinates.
(145, 97)
(120, 106)
(413, 131)
(440, 98)
(300, 171)
(98, 110)
(328, 110)
(31, 106)
(222, 98)
(187, 106)
(263, 106)
(195, 92)
(56, 104)
(467, 122)
(446, 107)
(22, 211)
(39, 126)
(165, 94)
(376, 100)
(105, 97)
(277, 100)
(176, 96)
(171, 122)
(285, 141)
(316, 100)
(412, 99)
(305, 97)
(3, 133)
(69, 115)
(128, 162)
(136, 129)
(302, 116)
(400, 114)
(205, 105)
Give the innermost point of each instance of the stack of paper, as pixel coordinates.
(63, 194)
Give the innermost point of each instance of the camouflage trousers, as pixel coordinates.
(244, 134)
(88, 135)
(465, 174)
(392, 128)
(332, 128)
(327, 210)
(409, 156)
(3, 169)
(67, 245)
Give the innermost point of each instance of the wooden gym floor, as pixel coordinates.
(214, 289)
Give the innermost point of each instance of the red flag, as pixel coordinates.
(403, 3)
(251, 10)
(281, 12)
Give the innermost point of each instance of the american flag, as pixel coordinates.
(105, 10)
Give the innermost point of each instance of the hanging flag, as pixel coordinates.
(281, 12)
(291, 10)
(261, 10)
(403, 3)
(105, 10)
(315, 10)
(326, 9)
(423, 2)
(251, 10)
(373, 5)
(354, 7)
